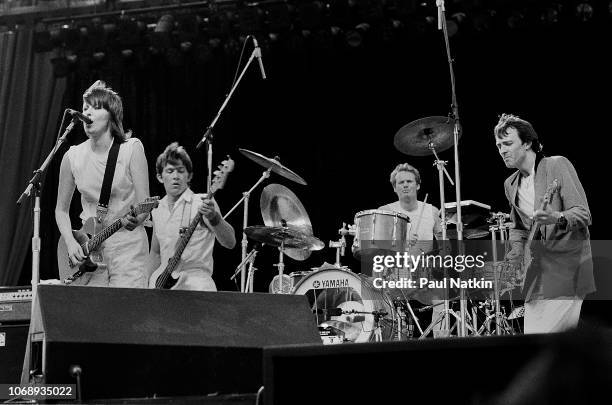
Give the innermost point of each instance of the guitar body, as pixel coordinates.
(168, 281)
(91, 237)
(94, 261)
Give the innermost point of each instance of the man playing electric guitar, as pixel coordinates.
(545, 192)
(173, 217)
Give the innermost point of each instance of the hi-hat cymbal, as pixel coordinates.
(280, 207)
(289, 238)
(275, 164)
(414, 138)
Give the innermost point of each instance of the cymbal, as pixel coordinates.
(413, 139)
(275, 164)
(280, 207)
(277, 235)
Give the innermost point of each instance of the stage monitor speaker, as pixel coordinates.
(145, 343)
(12, 348)
(452, 371)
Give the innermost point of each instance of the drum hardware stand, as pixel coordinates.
(378, 329)
(498, 226)
(250, 259)
(340, 244)
(447, 310)
(281, 267)
(402, 306)
(245, 221)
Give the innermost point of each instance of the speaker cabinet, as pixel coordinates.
(145, 343)
(12, 349)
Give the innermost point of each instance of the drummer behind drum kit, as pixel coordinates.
(347, 306)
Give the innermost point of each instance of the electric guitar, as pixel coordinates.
(90, 237)
(531, 249)
(163, 275)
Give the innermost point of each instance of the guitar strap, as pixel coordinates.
(109, 173)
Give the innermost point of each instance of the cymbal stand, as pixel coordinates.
(501, 227)
(281, 266)
(245, 221)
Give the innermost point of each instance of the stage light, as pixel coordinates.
(551, 14)
(516, 20)
(186, 46)
(165, 23)
(584, 12)
(98, 56)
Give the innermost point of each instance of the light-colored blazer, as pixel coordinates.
(565, 264)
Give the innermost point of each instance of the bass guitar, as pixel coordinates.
(163, 275)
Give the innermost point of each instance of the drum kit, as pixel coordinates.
(347, 306)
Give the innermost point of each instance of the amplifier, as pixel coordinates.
(15, 303)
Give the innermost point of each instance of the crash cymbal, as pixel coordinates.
(280, 207)
(413, 139)
(275, 164)
(277, 235)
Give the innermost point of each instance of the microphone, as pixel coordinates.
(258, 56)
(79, 115)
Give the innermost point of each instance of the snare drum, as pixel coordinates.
(378, 230)
(332, 291)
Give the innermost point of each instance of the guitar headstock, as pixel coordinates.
(550, 191)
(148, 205)
(220, 175)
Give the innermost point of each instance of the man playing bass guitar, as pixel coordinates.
(185, 226)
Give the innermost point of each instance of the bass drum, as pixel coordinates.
(345, 302)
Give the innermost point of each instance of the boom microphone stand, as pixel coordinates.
(34, 189)
(456, 134)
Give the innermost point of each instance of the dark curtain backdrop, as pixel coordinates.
(330, 113)
(30, 102)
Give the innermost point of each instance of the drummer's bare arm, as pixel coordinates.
(223, 231)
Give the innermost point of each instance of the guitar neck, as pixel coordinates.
(95, 242)
(184, 240)
(535, 227)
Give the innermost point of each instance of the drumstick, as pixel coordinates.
(421, 213)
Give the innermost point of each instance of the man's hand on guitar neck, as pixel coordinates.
(209, 211)
(134, 221)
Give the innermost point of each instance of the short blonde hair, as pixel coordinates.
(405, 167)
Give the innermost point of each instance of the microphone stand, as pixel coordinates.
(34, 190)
(462, 330)
(208, 135)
